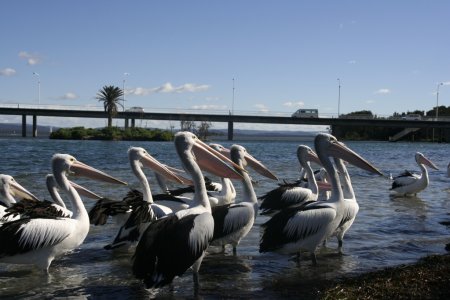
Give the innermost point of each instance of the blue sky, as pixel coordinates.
(283, 55)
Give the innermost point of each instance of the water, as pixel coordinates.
(385, 233)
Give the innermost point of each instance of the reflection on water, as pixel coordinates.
(387, 231)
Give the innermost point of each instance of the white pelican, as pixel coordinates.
(33, 208)
(408, 183)
(304, 227)
(10, 188)
(232, 222)
(137, 209)
(351, 206)
(171, 245)
(38, 241)
(286, 194)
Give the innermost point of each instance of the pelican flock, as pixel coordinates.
(168, 233)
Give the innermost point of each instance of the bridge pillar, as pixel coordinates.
(34, 126)
(126, 123)
(230, 131)
(24, 125)
(133, 121)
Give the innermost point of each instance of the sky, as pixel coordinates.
(247, 57)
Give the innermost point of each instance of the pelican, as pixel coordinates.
(136, 209)
(33, 208)
(408, 183)
(304, 227)
(9, 188)
(292, 194)
(351, 206)
(448, 170)
(169, 246)
(232, 222)
(38, 241)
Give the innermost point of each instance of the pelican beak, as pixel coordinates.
(338, 149)
(186, 181)
(259, 167)
(19, 191)
(428, 162)
(215, 162)
(324, 186)
(80, 169)
(312, 157)
(150, 162)
(84, 191)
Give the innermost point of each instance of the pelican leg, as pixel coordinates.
(340, 243)
(313, 259)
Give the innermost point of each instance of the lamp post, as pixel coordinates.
(232, 103)
(123, 89)
(339, 97)
(39, 87)
(437, 99)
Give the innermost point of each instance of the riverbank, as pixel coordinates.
(428, 278)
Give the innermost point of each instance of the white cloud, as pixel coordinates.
(32, 59)
(294, 104)
(209, 107)
(370, 101)
(261, 108)
(168, 88)
(446, 83)
(69, 96)
(7, 72)
(352, 62)
(383, 91)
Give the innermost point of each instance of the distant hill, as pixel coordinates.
(16, 130)
(7, 129)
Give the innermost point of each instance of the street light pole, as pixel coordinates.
(437, 99)
(232, 103)
(339, 97)
(123, 90)
(39, 87)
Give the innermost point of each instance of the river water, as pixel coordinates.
(386, 232)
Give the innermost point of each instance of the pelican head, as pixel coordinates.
(305, 154)
(421, 159)
(239, 153)
(189, 145)
(332, 147)
(8, 185)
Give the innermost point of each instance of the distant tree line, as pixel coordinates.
(383, 133)
(112, 133)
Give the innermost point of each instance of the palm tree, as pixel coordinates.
(110, 96)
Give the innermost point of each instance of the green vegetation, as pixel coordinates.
(112, 133)
(110, 96)
(383, 133)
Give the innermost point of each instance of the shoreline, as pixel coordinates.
(427, 278)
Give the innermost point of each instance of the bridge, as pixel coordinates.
(224, 118)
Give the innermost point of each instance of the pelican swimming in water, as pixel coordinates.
(171, 245)
(304, 227)
(38, 241)
(408, 183)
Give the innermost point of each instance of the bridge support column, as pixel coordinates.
(230, 131)
(335, 131)
(24, 125)
(133, 122)
(126, 123)
(34, 126)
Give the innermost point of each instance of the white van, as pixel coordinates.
(412, 117)
(306, 113)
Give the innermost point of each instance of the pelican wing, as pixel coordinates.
(230, 218)
(25, 235)
(404, 181)
(38, 209)
(103, 208)
(284, 196)
(295, 223)
(169, 246)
